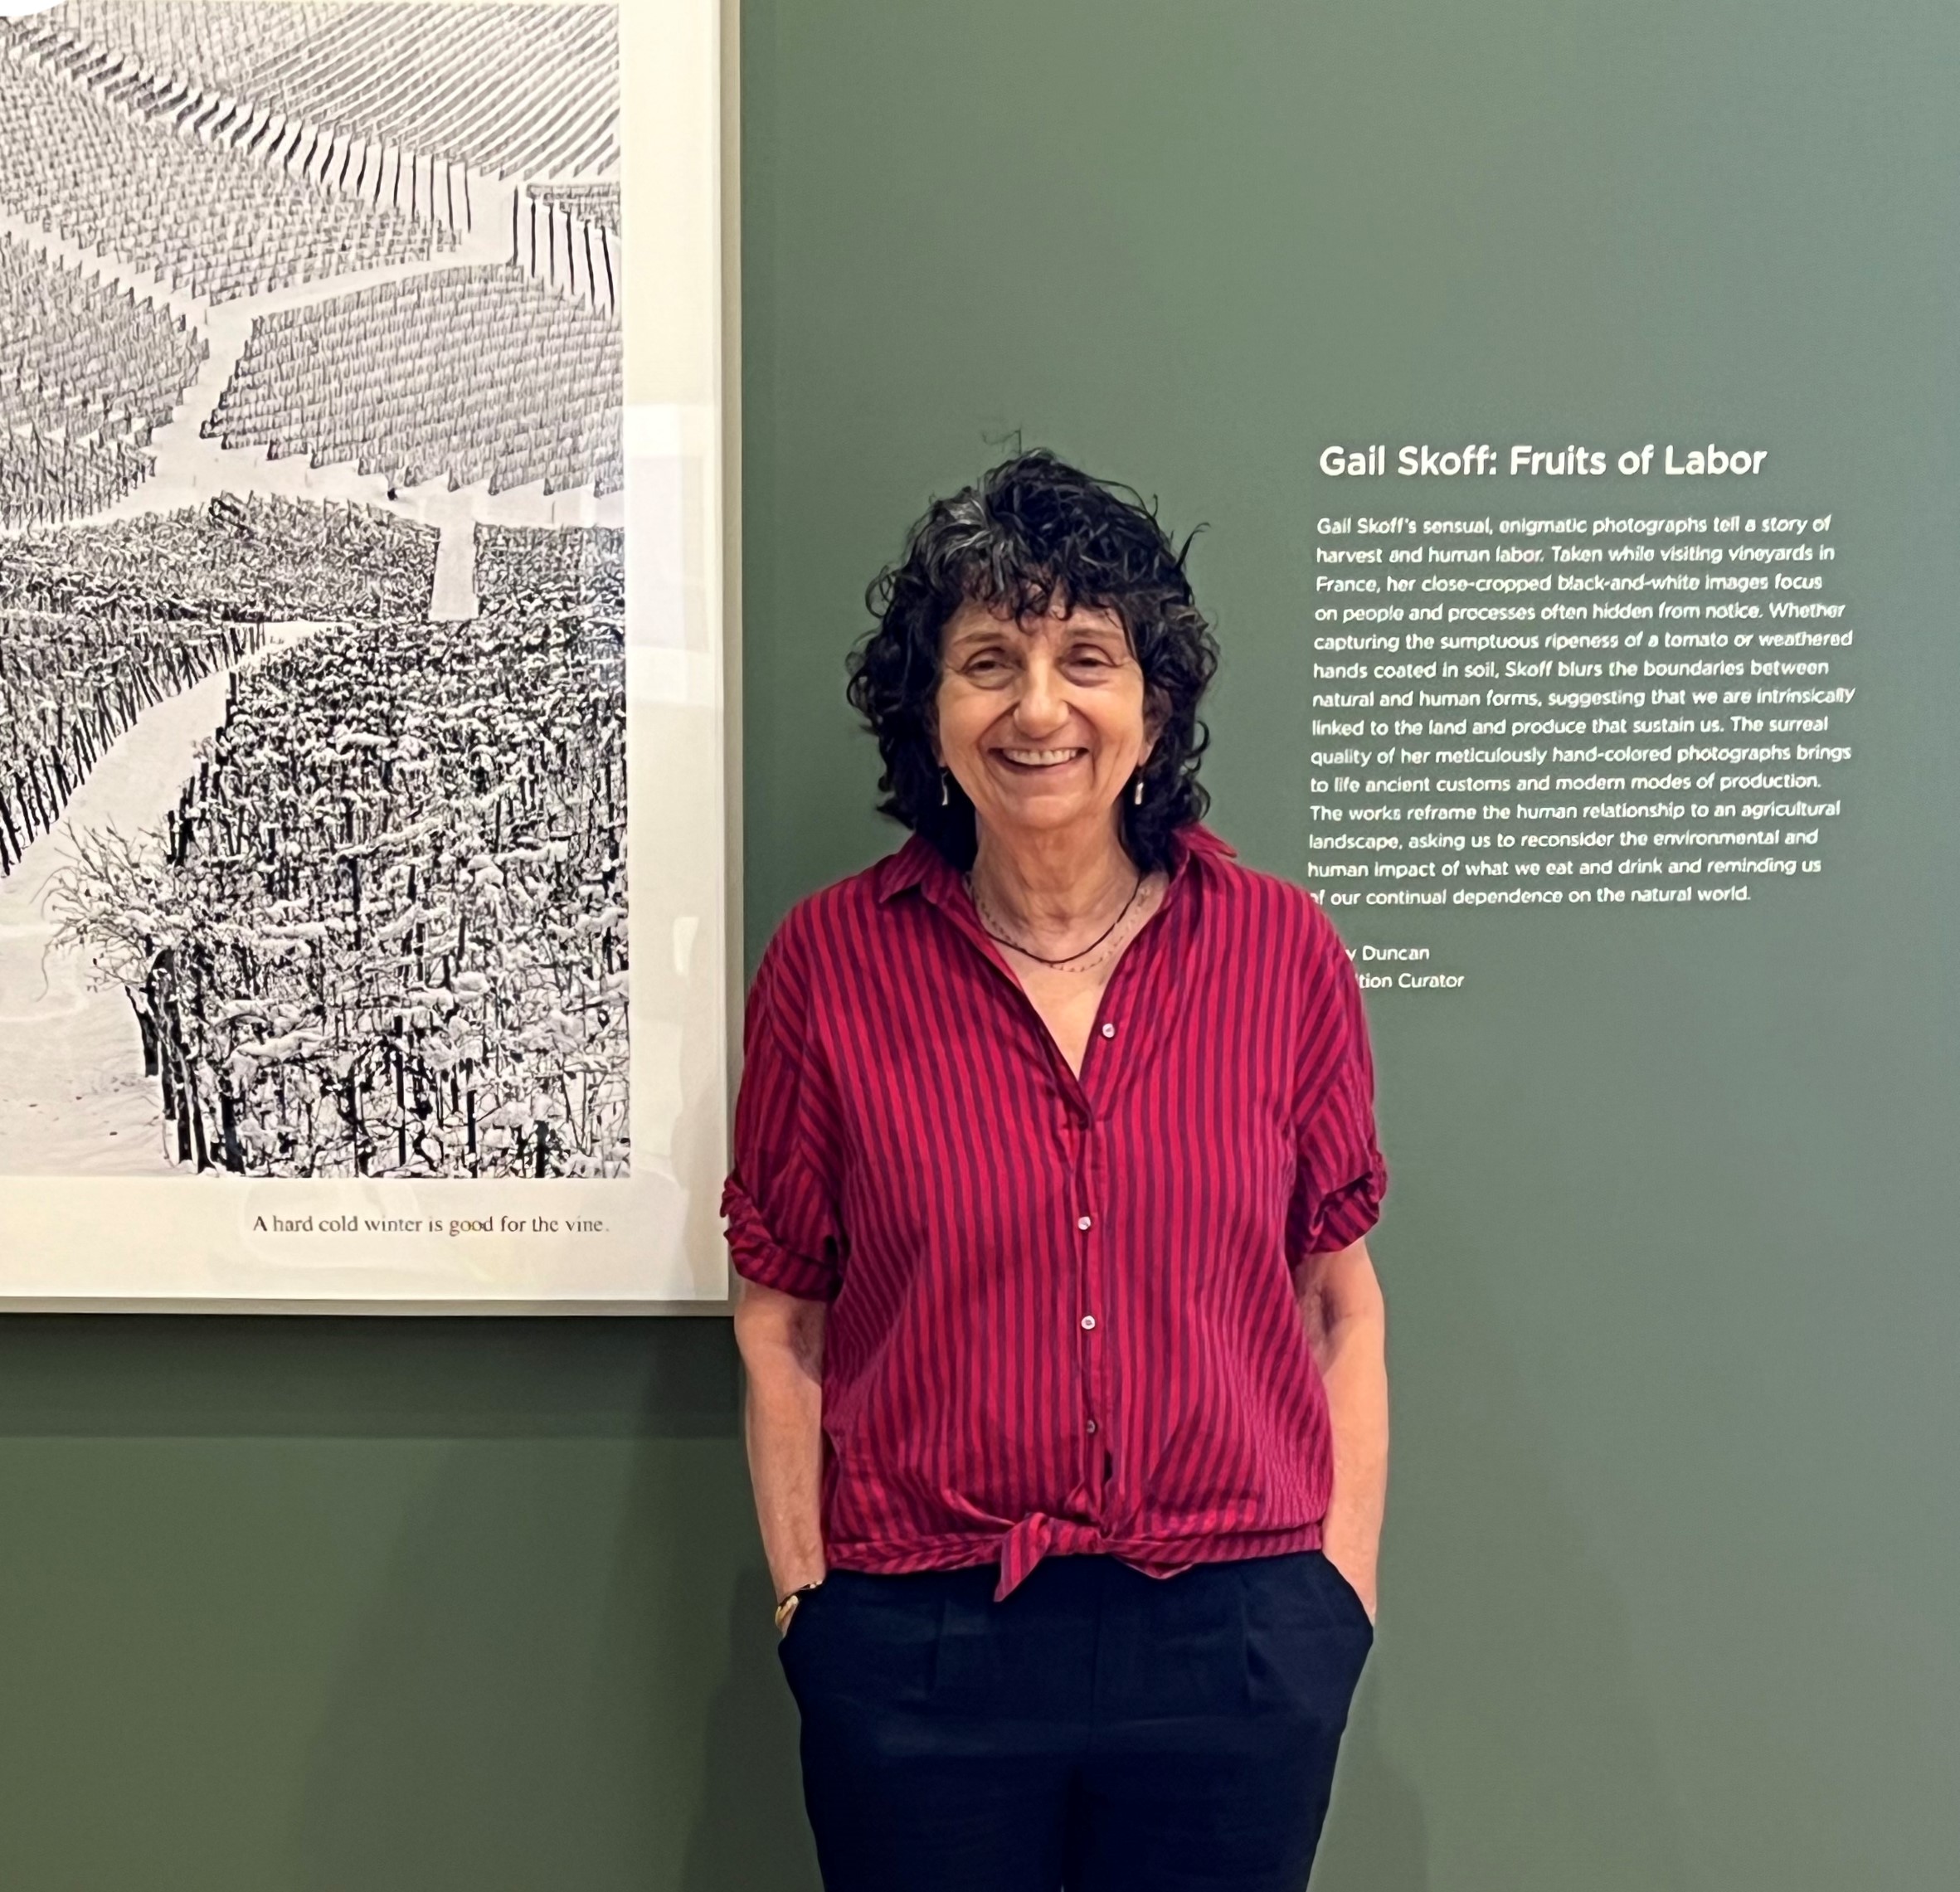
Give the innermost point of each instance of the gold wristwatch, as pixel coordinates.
(787, 1608)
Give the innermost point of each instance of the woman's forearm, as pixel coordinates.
(782, 1352)
(1341, 1302)
(1356, 1379)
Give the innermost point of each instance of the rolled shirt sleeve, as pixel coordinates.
(1341, 1179)
(780, 1197)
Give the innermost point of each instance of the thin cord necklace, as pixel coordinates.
(1066, 959)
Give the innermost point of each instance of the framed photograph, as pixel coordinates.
(365, 654)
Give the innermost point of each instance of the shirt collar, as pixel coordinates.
(918, 863)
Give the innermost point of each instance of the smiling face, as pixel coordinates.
(1042, 721)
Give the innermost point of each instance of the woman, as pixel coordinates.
(1067, 1414)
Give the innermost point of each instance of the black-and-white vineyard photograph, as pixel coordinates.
(313, 702)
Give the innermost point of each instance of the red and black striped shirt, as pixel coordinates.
(1061, 1312)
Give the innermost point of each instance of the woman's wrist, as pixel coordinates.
(787, 1604)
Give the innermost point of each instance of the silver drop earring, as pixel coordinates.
(946, 793)
(1137, 798)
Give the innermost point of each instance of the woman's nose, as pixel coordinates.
(1040, 709)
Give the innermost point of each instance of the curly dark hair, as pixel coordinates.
(1036, 535)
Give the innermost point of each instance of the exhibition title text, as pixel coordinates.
(1569, 461)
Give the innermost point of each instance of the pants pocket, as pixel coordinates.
(1347, 1596)
(1308, 1638)
(861, 1638)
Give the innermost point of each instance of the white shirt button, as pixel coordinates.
(1109, 1031)
(1085, 1224)
(1092, 1425)
(1088, 1320)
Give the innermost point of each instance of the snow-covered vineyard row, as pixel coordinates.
(385, 933)
(263, 559)
(86, 372)
(471, 375)
(210, 220)
(516, 89)
(69, 687)
(98, 624)
(44, 477)
(597, 204)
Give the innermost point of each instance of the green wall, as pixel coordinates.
(353, 1606)
(1669, 1598)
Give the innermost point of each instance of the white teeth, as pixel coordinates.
(1041, 758)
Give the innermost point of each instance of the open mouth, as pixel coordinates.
(1037, 762)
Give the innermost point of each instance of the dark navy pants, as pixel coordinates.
(1098, 1731)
